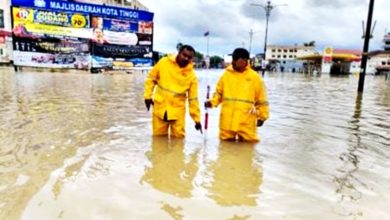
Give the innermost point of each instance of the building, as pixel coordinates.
(283, 57)
(5, 32)
(386, 42)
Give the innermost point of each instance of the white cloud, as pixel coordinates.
(337, 23)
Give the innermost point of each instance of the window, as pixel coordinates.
(1, 18)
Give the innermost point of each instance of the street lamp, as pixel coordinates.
(268, 8)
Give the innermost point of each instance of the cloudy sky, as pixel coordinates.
(336, 23)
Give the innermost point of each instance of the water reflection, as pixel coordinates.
(236, 177)
(170, 170)
(347, 182)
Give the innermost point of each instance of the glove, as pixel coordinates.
(259, 123)
(207, 104)
(198, 127)
(148, 102)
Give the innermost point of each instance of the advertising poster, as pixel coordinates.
(34, 59)
(121, 51)
(51, 45)
(36, 23)
(120, 25)
(110, 37)
(37, 16)
(119, 63)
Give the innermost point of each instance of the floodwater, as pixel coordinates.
(79, 146)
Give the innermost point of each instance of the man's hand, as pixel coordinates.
(259, 123)
(207, 104)
(198, 127)
(148, 102)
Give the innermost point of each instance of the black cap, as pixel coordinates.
(240, 53)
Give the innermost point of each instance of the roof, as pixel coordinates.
(337, 56)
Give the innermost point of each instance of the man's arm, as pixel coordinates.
(218, 95)
(193, 101)
(150, 82)
(262, 106)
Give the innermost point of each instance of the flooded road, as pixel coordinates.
(79, 146)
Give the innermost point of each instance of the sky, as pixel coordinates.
(335, 23)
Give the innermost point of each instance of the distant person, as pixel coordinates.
(244, 100)
(173, 82)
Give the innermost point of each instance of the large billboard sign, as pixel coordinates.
(99, 10)
(65, 34)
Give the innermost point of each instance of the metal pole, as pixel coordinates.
(208, 36)
(268, 9)
(363, 65)
(250, 41)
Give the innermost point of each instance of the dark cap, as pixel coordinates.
(240, 53)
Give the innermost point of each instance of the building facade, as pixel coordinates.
(386, 42)
(283, 57)
(5, 32)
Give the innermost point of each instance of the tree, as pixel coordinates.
(216, 61)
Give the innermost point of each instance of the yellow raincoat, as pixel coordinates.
(172, 86)
(244, 101)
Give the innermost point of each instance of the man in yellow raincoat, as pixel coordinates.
(244, 100)
(173, 82)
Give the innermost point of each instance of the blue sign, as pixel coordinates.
(120, 25)
(101, 10)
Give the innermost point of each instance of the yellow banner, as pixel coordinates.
(62, 19)
(50, 29)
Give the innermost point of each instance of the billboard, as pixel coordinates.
(76, 7)
(62, 34)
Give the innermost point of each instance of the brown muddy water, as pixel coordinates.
(79, 146)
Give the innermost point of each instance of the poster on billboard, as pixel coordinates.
(37, 16)
(121, 51)
(33, 30)
(110, 37)
(36, 23)
(120, 25)
(34, 59)
(145, 27)
(120, 63)
(52, 45)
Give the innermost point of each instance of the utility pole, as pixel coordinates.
(367, 37)
(267, 8)
(250, 41)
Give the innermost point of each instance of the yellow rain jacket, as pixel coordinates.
(172, 86)
(244, 101)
